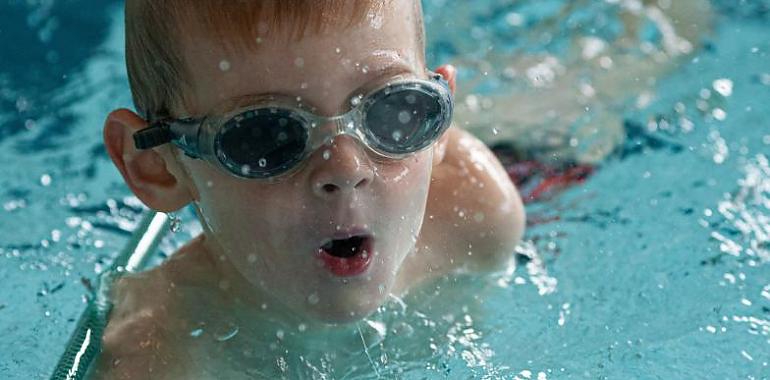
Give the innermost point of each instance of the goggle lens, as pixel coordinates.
(404, 120)
(262, 143)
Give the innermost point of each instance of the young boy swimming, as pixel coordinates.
(319, 154)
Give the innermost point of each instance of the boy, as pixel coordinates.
(316, 148)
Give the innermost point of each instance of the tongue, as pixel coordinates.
(343, 248)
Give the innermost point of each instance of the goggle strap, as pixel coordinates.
(152, 136)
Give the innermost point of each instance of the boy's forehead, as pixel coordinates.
(325, 64)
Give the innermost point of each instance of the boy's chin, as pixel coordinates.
(345, 314)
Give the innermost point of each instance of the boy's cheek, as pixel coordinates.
(406, 188)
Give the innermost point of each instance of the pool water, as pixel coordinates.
(657, 266)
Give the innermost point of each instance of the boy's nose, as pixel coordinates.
(344, 166)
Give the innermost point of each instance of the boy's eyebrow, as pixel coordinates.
(376, 71)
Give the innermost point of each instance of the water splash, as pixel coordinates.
(743, 217)
(538, 274)
(366, 351)
(224, 65)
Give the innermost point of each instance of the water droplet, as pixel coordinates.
(45, 180)
(279, 334)
(495, 131)
(327, 155)
(262, 162)
(404, 117)
(723, 86)
(765, 79)
(397, 135)
(224, 65)
(719, 114)
(196, 333)
(514, 19)
(175, 223)
(411, 99)
(302, 327)
(245, 169)
(30, 124)
(356, 100)
(337, 50)
(252, 258)
(313, 299)
(303, 86)
(230, 334)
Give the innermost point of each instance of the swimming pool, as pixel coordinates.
(655, 267)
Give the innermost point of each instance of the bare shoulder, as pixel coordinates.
(135, 340)
(474, 216)
(141, 337)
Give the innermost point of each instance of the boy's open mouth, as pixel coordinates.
(347, 257)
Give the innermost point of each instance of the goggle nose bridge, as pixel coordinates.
(328, 128)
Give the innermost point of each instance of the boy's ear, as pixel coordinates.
(154, 175)
(449, 73)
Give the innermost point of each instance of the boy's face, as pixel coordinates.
(272, 232)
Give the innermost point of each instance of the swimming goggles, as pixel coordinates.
(395, 119)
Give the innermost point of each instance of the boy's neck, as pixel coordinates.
(261, 318)
(252, 298)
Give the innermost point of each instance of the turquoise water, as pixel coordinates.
(655, 267)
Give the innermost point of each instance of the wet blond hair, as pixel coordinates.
(154, 58)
